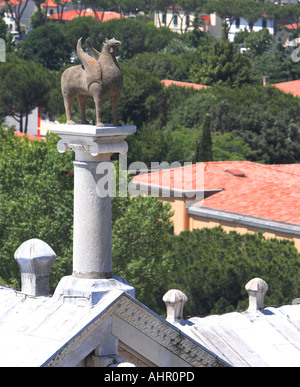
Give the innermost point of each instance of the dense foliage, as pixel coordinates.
(212, 268)
(36, 200)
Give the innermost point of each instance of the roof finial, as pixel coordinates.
(256, 288)
(174, 300)
(35, 259)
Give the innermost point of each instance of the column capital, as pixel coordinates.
(91, 142)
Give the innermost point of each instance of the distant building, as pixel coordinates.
(103, 16)
(240, 24)
(181, 21)
(26, 16)
(69, 12)
(238, 195)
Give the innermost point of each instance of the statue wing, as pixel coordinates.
(95, 54)
(91, 66)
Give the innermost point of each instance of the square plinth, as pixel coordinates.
(108, 130)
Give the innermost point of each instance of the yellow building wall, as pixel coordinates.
(184, 221)
(180, 217)
(199, 222)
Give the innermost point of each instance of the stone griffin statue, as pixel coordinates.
(99, 77)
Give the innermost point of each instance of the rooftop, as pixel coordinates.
(168, 82)
(30, 137)
(104, 16)
(256, 337)
(271, 192)
(292, 87)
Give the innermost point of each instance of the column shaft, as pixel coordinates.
(92, 234)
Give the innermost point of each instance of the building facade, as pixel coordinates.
(240, 196)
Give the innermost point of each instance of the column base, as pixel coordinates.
(93, 275)
(75, 290)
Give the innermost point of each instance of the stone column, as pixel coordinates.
(92, 234)
(92, 249)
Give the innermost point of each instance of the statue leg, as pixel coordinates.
(96, 92)
(82, 100)
(114, 104)
(68, 104)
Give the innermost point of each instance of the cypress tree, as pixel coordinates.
(203, 150)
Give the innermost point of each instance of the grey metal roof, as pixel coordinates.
(58, 331)
(33, 329)
(268, 338)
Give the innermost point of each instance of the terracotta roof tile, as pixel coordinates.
(30, 137)
(69, 15)
(267, 191)
(292, 87)
(169, 82)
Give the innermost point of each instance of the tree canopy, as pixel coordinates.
(23, 86)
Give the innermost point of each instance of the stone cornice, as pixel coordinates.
(165, 334)
(150, 324)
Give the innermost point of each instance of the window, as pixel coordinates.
(237, 22)
(264, 23)
(175, 20)
(164, 18)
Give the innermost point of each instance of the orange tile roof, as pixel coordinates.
(30, 137)
(12, 2)
(293, 26)
(268, 192)
(51, 3)
(69, 15)
(292, 87)
(168, 82)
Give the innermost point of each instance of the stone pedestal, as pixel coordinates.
(92, 234)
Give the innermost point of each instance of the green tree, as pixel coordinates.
(36, 201)
(212, 268)
(140, 241)
(46, 45)
(258, 42)
(204, 144)
(140, 99)
(220, 64)
(16, 9)
(24, 86)
(135, 35)
(39, 17)
(230, 146)
(3, 28)
(80, 27)
(161, 65)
